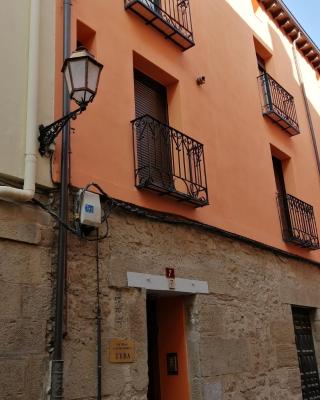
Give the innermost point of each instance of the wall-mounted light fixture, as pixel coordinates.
(201, 80)
(81, 72)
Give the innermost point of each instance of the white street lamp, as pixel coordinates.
(81, 72)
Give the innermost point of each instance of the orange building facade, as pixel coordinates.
(205, 132)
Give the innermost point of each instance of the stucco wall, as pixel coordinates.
(14, 25)
(224, 114)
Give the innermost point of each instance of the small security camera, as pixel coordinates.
(201, 80)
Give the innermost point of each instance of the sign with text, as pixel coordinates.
(170, 273)
(122, 351)
(171, 276)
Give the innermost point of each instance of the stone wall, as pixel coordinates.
(240, 336)
(26, 236)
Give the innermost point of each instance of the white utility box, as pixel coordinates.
(90, 211)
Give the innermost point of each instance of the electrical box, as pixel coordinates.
(90, 209)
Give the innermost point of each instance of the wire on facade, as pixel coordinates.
(111, 203)
(77, 230)
(99, 320)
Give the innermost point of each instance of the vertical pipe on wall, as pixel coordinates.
(7, 192)
(57, 360)
(306, 103)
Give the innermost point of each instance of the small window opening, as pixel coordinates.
(261, 63)
(86, 37)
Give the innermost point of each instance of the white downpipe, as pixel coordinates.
(27, 193)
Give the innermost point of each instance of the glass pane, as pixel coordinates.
(78, 72)
(93, 76)
(79, 96)
(88, 96)
(68, 79)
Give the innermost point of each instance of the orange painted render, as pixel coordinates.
(172, 339)
(255, 5)
(224, 114)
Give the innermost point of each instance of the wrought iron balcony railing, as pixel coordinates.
(168, 161)
(278, 104)
(297, 222)
(171, 17)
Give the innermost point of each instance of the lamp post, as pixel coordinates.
(81, 72)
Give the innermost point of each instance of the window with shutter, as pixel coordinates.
(153, 144)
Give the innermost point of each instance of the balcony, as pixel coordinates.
(170, 17)
(278, 104)
(169, 162)
(297, 222)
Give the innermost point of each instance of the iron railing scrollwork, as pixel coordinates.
(298, 222)
(278, 104)
(171, 17)
(168, 161)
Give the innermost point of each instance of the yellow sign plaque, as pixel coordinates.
(122, 351)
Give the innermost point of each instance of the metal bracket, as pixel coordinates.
(50, 132)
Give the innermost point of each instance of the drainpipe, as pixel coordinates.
(7, 192)
(57, 358)
(306, 103)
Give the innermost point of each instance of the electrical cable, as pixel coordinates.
(158, 216)
(54, 215)
(183, 221)
(99, 320)
(77, 230)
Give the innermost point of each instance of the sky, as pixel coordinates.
(307, 13)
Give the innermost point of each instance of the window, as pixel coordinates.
(297, 217)
(170, 17)
(261, 64)
(154, 159)
(282, 196)
(310, 383)
(277, 103)
(86, 37)
(166, 160)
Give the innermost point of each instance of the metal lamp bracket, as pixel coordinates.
(50, 132)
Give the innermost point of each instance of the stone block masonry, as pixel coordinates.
(26, 239)
(240, 336)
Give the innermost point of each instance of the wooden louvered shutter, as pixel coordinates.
(150, 97)
(153, 139)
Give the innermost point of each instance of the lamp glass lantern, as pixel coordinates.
(82, 73)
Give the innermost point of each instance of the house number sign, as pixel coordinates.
(122, 351)
(170, 274)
